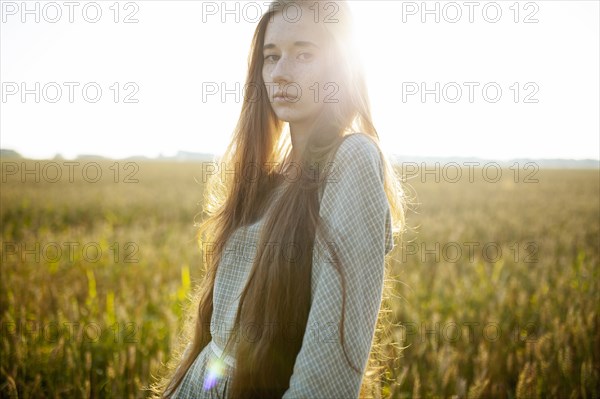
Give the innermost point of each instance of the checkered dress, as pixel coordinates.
(354, 208)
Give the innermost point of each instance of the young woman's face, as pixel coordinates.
(294, 65)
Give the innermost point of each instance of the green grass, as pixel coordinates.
(520, 323)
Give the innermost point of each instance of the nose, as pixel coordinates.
(281, 72)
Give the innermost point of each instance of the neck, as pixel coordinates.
(299, 136)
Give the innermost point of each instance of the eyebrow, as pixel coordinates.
(297, 44)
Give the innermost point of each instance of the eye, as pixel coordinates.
(307, 57)
(267, 58)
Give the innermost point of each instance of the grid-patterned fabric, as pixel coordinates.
(355, 211)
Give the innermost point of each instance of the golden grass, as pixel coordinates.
(523, 323)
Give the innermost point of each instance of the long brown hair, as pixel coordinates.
(278, 290)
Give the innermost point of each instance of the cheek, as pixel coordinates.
(265, 74)
(314, 85)
(315, 74)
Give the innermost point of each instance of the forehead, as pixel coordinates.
(284, 30)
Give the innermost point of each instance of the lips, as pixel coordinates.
(286, 96)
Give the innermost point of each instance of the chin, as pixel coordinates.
(287, 116)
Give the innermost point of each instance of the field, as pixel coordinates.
(499, 293)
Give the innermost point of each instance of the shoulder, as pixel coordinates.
(359, 144)
(359, 152)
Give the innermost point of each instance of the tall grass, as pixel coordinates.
(517, 324)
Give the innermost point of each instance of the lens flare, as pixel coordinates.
(216, 368)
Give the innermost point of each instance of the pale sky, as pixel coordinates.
(551, 67)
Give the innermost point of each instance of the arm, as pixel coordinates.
(355, 212)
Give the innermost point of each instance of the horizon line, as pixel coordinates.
(196, 156)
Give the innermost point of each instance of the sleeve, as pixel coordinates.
(355, 211)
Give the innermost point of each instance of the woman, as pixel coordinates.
(293, 285)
